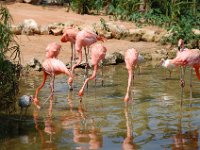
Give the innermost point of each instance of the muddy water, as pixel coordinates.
(153, 119)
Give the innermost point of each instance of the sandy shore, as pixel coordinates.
(34, 46)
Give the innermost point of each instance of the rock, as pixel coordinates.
(16, 29)
(147, 56)
(156, 56)
(32, 1)
(35, 64)
(113, 59)
(56, 28)
(56, 32)
(135, 35)
(148, 36)
(172, 53)
(117, 31)
(158, 37)
(107, 35)
(29, 27)
(38, 67)
(44, 30)
(32, 62)
(196, 31)
(159, 54)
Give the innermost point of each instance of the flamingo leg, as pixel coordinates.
(86, 66)
(182, 82)
(191, 69)
(52, 83)
(170, 74)
(138, 68)
(72, 55)
(132, 79)
(182, 76)
(164, 74)
(102, 82)
(95, 83)
(79, 61)
(36, 102)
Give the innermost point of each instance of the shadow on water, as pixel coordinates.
(155, 118)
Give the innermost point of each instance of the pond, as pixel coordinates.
(153, 119)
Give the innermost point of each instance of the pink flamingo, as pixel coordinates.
(69, 35)
(98, 53)
(131, 59)
(166, 64)
(188, 57)
(51, 67)
(85, 39)
(52, 50)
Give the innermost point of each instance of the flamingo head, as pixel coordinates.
(36, 103)
(80, 93)
(162, 61)
(70, 81)
(64, 38)
(126, 98)
(101, 38)
(180, 44)
(52, 50)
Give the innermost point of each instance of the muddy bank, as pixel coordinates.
(33, 46)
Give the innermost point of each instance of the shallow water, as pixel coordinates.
(153, 119)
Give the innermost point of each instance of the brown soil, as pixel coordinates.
(34, 46)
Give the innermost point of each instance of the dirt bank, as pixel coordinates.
(34, 46)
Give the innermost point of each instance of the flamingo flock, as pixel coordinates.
(88, 40)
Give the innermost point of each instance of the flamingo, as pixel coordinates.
(166, 64)
(188, 57)
(131, 59)
(85, 39)
(98, 53)
(69, 35)
(52, 50)
(51, 67)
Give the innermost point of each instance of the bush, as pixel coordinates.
(9, 62)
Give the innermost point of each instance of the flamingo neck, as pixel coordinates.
(130, 72)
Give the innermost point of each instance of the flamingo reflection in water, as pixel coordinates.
(185, 140)
(84, 128)
(128, 141)
(49, 129)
